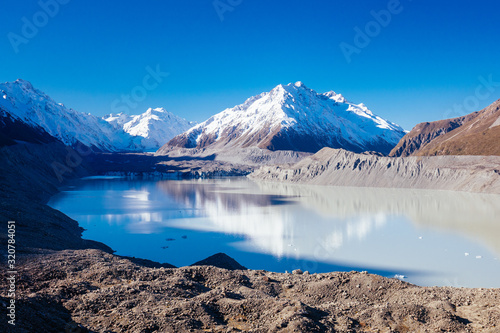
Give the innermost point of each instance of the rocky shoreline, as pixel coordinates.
(67, 284)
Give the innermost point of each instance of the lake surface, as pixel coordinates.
(430, 237)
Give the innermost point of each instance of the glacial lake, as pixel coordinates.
(431, 238)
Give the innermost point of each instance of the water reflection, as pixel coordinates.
(430, 232)
(422, 234)
(471, 214)
(281, 231)
(352, 212)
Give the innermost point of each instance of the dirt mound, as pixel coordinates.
(220, 260)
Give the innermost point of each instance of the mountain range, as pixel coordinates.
(293, 117)
(289, 117)
(22, 105)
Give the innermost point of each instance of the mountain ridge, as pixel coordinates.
(21, 101)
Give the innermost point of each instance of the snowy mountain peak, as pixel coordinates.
(294, 117)
(297, 86)
(336, 97)
(152, 111)
(290, 93)
(153, 127)
(23, 83)
(20, 88)
(117, 120)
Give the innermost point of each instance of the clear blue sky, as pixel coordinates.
(427, 58)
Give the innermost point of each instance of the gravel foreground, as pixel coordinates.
(94, 291)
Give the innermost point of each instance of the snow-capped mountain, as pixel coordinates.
(293, 117)
(154, 127)
(21, 101)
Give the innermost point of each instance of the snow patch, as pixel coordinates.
(496, 123)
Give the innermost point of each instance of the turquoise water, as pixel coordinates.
(430, 237)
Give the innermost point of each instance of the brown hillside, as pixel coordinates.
(424, 133)
(475, 134)
(479, 135)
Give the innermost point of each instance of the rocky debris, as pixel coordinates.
(149, 166)
(220, 260)
(256, 157)
(249, 157)
(90, 290)
(188, 163)
(342, 168)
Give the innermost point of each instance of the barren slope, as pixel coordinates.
(478, 135)
(475, 134)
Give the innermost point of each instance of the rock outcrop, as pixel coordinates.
(220, 260)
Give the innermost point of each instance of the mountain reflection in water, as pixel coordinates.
(356, 211)
(433, 237)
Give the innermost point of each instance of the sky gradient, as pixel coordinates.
(424, 61)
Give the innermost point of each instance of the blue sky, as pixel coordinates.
(417, 64)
